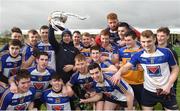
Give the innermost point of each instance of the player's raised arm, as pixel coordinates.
(116, 77)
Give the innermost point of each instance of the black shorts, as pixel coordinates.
(150, 99)
(121, 103)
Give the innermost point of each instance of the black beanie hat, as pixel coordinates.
(66, 31)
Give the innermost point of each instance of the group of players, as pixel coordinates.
(113, 70)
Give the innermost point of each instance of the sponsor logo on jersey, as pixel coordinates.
(153, 71)
(58, 107)
(39, 86)
(20, 107)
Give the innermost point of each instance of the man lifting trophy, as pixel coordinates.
(59, 18)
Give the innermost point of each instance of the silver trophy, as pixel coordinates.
(59, 18)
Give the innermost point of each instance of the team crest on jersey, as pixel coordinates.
(87, 86)
(39, 86)
(21, 100)
(20, 107)
(40, 78)
(154, 71)
(58, 100)
(58, 107)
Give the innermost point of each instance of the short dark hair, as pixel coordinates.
(96, 47)
(124, 24)
(16, 29)
(22, 73)
(131, 33)
(15, 42)
(164, 29)
(44, 27)
(33, 31)
(94, 65)
(56, 76)
(42, 53)
(77, 31)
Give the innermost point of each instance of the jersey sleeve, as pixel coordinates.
(120, 53)
(107, 63)
(135, 59)
(5, 100)
(73, 79)
(171, 58)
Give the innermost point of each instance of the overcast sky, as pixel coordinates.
(28, 14)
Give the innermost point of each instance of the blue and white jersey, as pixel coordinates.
(105, 52)
(156, 67)
(84, 80)
(47, 47)
(56, 101)
(27, 51)
(104, 64)
(40, 80)
(18, 101)
(115, 92)
(9, 65)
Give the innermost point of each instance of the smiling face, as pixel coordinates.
(81, 66)
(130, 42)
(66, 38)
(33, 38)
(105, 40)
(162, 38)
(86, 41)
(122, 31)
(23, 84)
(57, 84)
(95, 55)
(76, 38)
(96, 74)
(148, 43)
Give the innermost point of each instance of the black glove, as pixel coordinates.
(35, 52)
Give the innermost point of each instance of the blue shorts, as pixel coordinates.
(150, 99)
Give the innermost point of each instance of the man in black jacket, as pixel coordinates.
(65, 53)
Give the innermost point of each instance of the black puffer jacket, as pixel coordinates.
(65, 54)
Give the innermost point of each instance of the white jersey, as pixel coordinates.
(115, 92)
(156, 67)
(40, 80)
(9, 65)
(56, 101)
(17, 101)
(46, 47)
